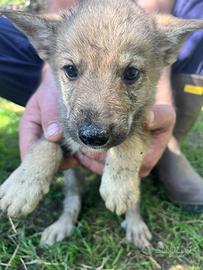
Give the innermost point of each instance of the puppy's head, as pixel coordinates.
(107, 57)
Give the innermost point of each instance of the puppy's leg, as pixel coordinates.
(63, 226)
(25, 187)
(120, 181)
(136, 230)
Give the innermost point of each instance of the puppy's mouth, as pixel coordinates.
(92, 147)
(95, 148)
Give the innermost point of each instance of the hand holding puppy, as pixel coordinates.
(41, 118)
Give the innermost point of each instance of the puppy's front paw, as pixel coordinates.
(137, 233)
(56, 232)
(21, 192)
(119, 197)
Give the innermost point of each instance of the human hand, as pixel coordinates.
(41, 118)
(160, 124)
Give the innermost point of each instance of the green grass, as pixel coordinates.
(11, 2)
(97, 243)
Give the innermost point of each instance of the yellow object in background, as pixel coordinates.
(193, 89)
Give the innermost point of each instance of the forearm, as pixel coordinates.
(56, 6)
(160, 6)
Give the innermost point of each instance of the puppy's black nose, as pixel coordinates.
(92, 135)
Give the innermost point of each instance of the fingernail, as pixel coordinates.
(54, 129)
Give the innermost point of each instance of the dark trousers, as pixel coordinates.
(20, 66)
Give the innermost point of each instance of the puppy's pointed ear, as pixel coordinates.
(40, 29)
(173, 32)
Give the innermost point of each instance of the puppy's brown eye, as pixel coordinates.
(131, 75)
(71, 72)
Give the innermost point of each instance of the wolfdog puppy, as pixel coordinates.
(107, 57)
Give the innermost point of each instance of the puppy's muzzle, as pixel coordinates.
(93, 135)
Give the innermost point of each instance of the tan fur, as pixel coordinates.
(120, 181)
(64, 225)
(102, 39)
(22, 191)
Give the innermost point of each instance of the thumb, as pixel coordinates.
(52, 131)
(162, 116)
(47, 100)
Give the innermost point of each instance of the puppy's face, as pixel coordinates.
(107, 57)
(107, 67)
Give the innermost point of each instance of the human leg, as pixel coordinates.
(20, 66)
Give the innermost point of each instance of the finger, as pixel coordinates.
(99, 156)
(29, 130)
(69, 163)
(157, 147)
(47, 99)
(162, 116)
(91, 164)
(161, 127)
